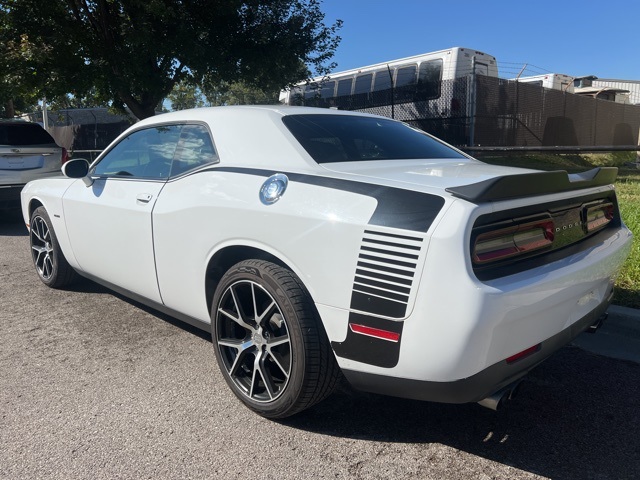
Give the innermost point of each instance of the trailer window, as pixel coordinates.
(327, 89)
(406, 76)
(429, 77)
(363, 83)
(344, 87)
(382, 80)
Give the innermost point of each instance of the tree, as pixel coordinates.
(185, 95)
(239, 93)
(133, 52)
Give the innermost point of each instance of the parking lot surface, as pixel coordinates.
(95, 386)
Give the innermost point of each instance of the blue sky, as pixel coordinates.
(573, 37)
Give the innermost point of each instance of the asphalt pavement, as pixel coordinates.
(93, 385)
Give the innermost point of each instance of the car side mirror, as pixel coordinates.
(77, 168)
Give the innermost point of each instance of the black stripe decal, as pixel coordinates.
(393, 235)
(388, 261)
(397, 208)
(381, 306)
(390, 244)
(381, 293)
(380, 276)
(382, 268)
(383, 285)
(365, 349)
(390, 252)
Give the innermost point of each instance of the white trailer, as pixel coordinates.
(426, 70)
(555, 81)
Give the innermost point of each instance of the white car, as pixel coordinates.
(316, 243)
(27, 152)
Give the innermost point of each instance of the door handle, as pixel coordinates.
(144, 197)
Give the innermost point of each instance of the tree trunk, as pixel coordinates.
(9, 110)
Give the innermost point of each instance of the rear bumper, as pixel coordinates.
(480, 385)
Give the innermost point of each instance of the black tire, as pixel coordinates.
(269, 342)
(51, 266)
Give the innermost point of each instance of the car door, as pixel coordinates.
(109, 222)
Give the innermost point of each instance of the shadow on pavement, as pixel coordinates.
(573, 419)
(11, 224)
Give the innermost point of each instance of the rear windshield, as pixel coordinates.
(24, 134)
(348, 138)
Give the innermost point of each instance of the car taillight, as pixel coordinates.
(508, 242)
(598, 216)
(65, 156)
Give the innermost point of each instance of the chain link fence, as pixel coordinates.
(481, 111)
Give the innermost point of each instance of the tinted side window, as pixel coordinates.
(194, 149)
(348, 138)
(144, 154)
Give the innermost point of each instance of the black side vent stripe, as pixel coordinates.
(384, 277)
(385, 269)
(393, 235)
(381, 292)
(390, 252)
(391, 244)
(380, 306)
(390, 261)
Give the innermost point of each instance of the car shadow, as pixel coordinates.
(84, 285)
(576, 417)
(11, 224)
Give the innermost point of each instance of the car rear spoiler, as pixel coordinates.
(533, 184)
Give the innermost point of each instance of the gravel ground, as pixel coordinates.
(95, 386)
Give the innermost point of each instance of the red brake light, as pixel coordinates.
(511, 241)
(598, 216)
(65, 156)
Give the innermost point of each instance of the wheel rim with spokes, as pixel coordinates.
(253, 341)
(42, 247)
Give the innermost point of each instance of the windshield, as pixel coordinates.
(349, 138)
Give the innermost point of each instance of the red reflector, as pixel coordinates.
(374, 332)
(524, 353)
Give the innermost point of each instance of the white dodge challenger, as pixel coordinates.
(316, 244)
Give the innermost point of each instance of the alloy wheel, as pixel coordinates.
(253, 341)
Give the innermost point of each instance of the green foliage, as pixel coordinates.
(239, 93)
(185, 95)
(628, 284)
(133, 52)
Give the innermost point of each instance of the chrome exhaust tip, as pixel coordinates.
(594, 328)
(497, 400)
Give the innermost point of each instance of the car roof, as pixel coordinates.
(251, 136)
